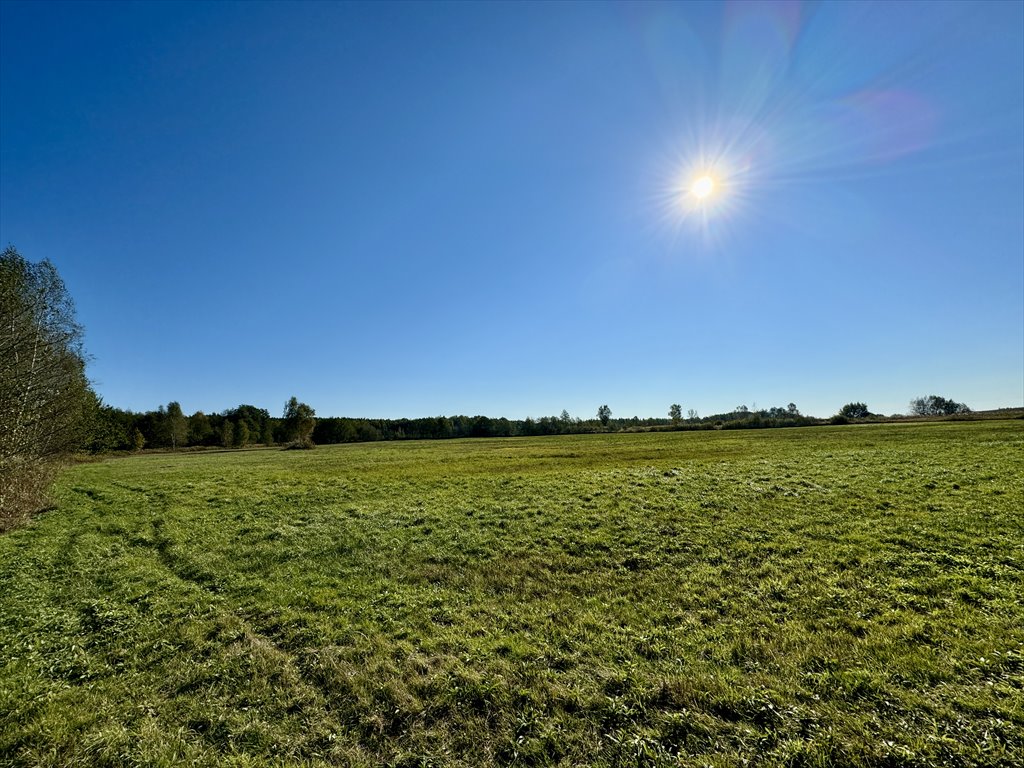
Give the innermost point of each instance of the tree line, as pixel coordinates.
(115, 429)
(248, 425)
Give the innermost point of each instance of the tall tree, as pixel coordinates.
(604, 413)
(241, 437)
(299, 420)
(176, 425)
(675, 412)
(46, 404)
(227, 433)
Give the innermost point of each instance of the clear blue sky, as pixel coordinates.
(412, 209)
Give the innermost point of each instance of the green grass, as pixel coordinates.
(808, 597)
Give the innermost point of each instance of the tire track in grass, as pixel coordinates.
(280, 667)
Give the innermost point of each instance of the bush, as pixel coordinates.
(24, 490)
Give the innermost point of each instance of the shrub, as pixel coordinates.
(25, 487)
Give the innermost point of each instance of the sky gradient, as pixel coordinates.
(404, 210)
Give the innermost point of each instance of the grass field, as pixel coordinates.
(834, 596)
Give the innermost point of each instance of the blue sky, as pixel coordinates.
(396, 210)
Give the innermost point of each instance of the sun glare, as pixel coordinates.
(703, 187)
(703, 190)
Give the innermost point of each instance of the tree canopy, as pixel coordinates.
(299, 422)
(675, 412)
(854, 411)
(934, 405)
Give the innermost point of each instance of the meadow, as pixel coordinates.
(828, 596)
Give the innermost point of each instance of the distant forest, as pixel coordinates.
(115, 429)
(169, 427)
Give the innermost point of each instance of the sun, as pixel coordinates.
(703, 187)
(703, 190)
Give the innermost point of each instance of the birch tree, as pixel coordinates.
(298, 423)
(45, 400)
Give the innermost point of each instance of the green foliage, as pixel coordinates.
(240, 437)
(675, 412)
(933, 405)
(138, 440)
(257, 422)
(267, 433)
(816, 597)
(299, 422)
(112, 429)
(227, 434)
(46, 406)
(854, 411)
(199, 429)
(175, 426)
(604, 413)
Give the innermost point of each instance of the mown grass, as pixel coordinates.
(806, 597)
